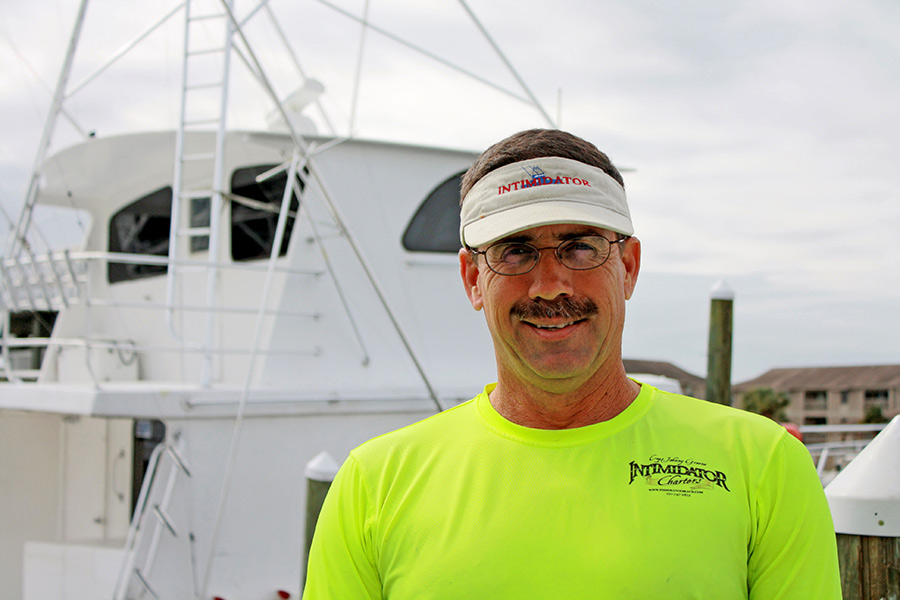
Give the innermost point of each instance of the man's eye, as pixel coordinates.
(579, 246)
(518, 249)
(515, 252)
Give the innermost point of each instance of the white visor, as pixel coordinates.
(542, 191)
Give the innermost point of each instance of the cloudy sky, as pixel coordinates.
(762, 138)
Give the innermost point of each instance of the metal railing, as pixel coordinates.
(56, 281)
(833, 455)
(50, 281)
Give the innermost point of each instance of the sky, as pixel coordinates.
(760, 140)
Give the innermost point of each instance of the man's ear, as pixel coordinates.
(631, 258)
(468, 270)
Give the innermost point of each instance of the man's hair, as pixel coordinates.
(537, 143)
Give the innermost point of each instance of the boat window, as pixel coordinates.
(142, 227)
(23, 325)
(254, 213)
(146, 436)
(199, 218)
(435, 226)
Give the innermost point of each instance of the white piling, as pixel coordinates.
(865, 505)
(320, 472)
(865, 496)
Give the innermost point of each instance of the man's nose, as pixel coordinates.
(550, 279)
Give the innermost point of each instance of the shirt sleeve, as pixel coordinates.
(793, 554)
(341, 562)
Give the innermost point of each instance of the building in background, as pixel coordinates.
(691, 385)
(832, 395)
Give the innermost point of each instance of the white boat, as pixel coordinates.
(166, 382)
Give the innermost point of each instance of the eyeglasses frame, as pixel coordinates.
(621, 239)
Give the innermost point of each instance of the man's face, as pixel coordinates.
(555, 327)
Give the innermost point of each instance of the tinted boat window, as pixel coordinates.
(254, 213)
(435, 226)
(142, 227)
(199, 218)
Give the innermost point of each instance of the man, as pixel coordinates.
(566, 479)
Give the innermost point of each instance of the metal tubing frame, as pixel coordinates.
(339, 221)
(300, 70)
(175, 212)
(24, 220)
(122, 52)
(358, 75)
(528, 99)
(338, 287)
(245, 391)
(216, 206)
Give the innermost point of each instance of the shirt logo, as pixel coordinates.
(677, 476)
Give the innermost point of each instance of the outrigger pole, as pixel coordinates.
(18, 240)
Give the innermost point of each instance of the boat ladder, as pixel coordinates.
(203, 107)
(160, 531)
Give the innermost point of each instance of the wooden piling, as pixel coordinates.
(865, 508)
(718, 371)
(870, 567)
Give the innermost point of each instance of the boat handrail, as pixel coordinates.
(85, 256)
(52, 280)
(118, 345)
(844, 428)
(837, 453)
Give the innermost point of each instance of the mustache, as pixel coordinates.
(564, 308)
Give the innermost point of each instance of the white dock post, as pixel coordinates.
(320, 472)
(865, 505)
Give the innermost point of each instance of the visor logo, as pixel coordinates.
(537, 177)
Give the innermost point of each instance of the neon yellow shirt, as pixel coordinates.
(674, 498)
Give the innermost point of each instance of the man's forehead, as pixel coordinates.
(560, 232)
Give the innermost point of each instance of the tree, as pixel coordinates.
(768, 403)
(874, 414)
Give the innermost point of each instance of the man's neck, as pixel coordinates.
(600, 398)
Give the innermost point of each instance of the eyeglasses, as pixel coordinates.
(579, 254)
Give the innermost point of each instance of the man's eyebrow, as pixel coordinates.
(517, 239)
(569, 235)
(524, 238)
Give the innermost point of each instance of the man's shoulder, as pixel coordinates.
(738, 443)
(715, 419)
(446, 425)
(699, 408)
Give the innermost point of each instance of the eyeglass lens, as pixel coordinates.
(513, 258)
